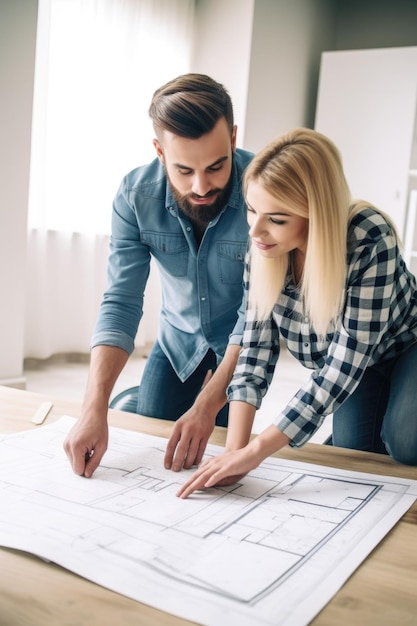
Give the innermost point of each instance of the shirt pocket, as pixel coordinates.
(169, 249)
(231, 257)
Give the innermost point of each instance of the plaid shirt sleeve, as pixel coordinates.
(377, 298)
(258, 356)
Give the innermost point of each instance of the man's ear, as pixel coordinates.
(159, 151)
(234, 134)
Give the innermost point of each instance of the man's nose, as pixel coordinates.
(201, 184)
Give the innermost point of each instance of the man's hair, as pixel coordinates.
(190, 106)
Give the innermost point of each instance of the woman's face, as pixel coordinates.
(274, 229)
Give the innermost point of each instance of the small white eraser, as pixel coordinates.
(42, 412)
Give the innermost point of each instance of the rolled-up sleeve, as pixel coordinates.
(128, 270)
(256, 363)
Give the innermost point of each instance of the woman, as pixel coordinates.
(326, 276)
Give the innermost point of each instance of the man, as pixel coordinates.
(186, 210)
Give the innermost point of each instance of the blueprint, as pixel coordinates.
(270, 550)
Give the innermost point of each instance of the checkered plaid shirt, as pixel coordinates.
(378, 322)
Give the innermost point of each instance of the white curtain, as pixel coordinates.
(66, 277)
(98, 63)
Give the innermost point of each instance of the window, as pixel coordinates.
(98, 63)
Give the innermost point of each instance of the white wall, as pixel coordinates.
(17, 61)
(267, 52)
(288, 37)
(222, 49)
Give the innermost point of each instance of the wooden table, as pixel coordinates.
(381, 592)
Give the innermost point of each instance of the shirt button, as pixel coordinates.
(203, 298)
(188, 229)
(306, 345)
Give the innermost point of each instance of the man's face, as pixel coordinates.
(199, 170)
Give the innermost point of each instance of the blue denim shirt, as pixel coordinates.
(201, 286)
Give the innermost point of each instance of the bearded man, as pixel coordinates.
(186, 210)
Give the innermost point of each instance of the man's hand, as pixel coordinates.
(86, 444)
(87, 441)
(192, 431)
(189, 439)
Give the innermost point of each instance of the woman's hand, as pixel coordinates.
(231, 466)
(222, 470)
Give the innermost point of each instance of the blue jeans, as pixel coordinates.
(163, 395)
(381, 414)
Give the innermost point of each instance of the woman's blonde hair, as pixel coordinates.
(303, 170)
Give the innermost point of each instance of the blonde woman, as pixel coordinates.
(325, 276)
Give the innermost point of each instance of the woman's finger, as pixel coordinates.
(206, 476)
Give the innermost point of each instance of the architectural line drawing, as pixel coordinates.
(266, 550)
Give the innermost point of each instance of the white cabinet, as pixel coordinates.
(367, 104)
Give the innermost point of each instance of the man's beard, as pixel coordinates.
(200, 212)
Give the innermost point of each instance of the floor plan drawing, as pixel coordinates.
(271, 549)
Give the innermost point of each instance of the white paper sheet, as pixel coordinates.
(270, 551)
